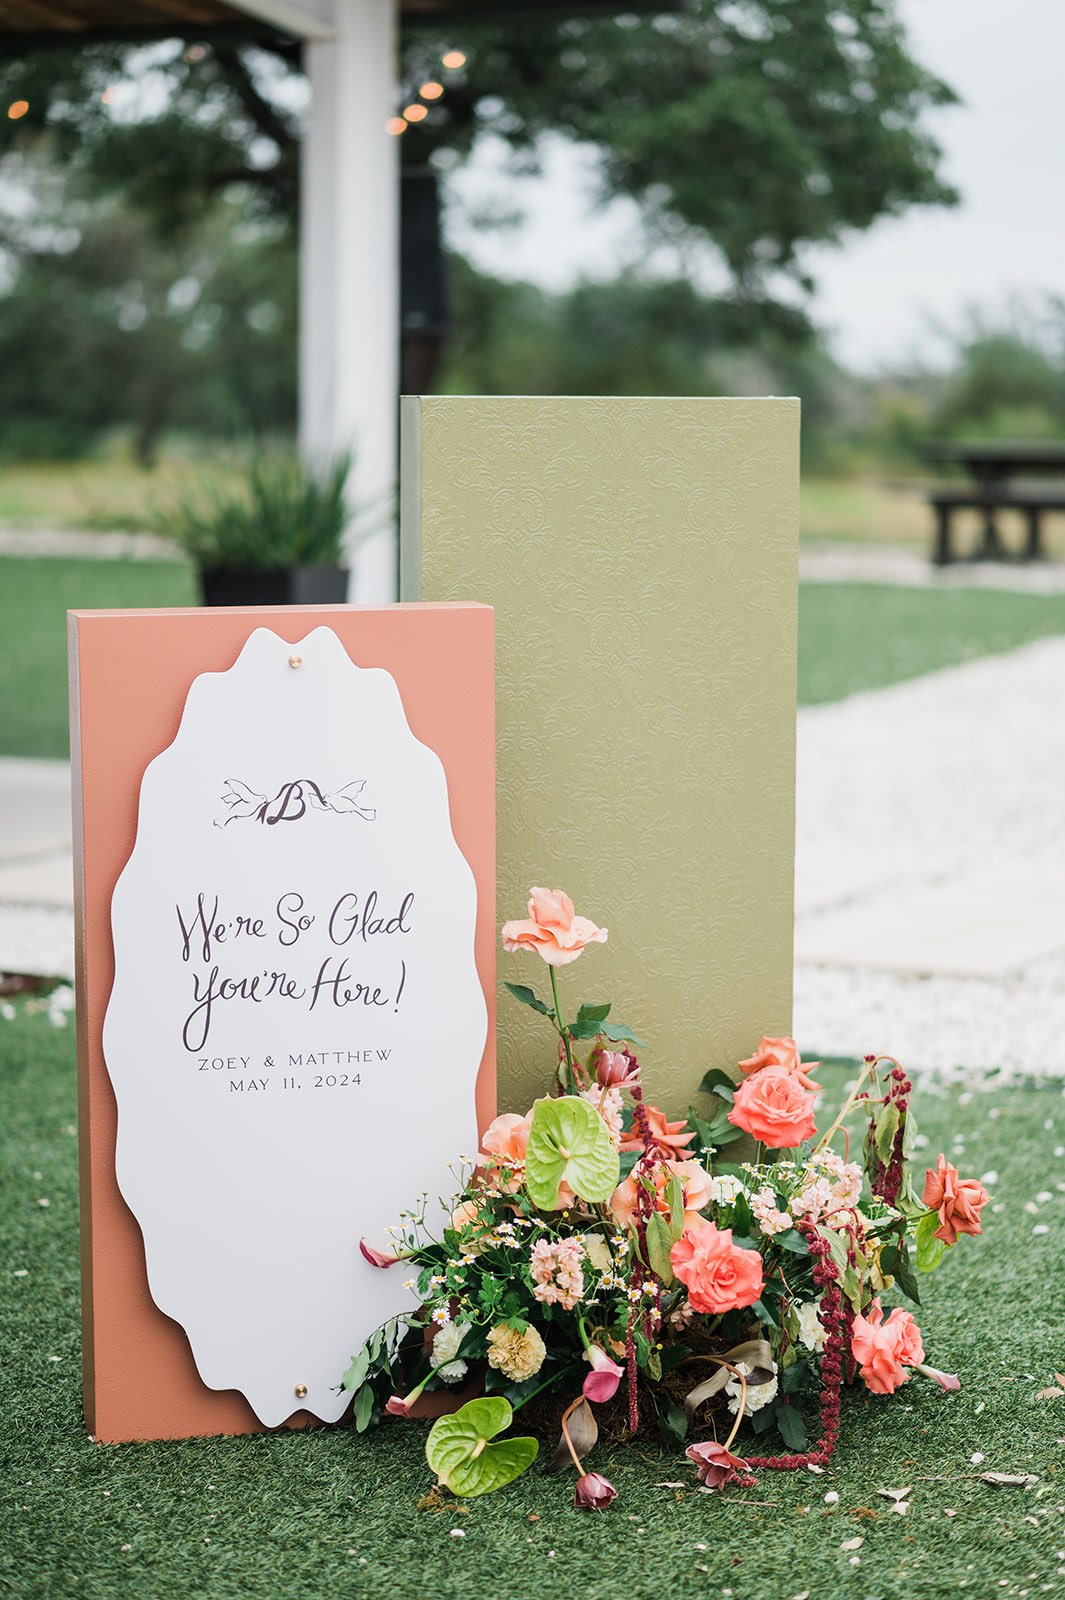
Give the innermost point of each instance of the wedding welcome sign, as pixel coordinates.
(286, 862)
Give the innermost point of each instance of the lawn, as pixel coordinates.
(306, 1516)
(851, 636)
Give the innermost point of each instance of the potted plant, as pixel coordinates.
(270, 536)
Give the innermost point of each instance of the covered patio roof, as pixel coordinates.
(40, 20)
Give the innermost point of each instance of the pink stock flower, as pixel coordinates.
(664, 1135)
(782, 1053)
(719, 1275)
(959, 1201)
(716, 1465)
(593, 1492)
(772, 1106)
(556, 1269)
(552, 929)
(608, 1104)
(377, 1258)
(602, 1382)
(884, 1350)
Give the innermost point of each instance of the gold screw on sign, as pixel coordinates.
(301, 1391)
(295, 661)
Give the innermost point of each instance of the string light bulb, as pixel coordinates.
(396, 126)
(415, 113)
(17, 109)
(431, 90)
(453, 60)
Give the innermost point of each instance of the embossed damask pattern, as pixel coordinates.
(641, 557)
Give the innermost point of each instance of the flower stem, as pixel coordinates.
(851, 1101)
(563, 1035)
(570, 1409)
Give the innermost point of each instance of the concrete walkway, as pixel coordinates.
(930, 872)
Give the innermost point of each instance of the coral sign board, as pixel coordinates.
(285, 980)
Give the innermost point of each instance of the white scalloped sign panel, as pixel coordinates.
(296, 1023)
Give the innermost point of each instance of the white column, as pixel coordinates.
(349, 264)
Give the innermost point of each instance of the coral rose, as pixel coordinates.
(718, 1274)
(884, 1350)
(781, 1053)
(959, 1201)
(552, 929)
(773, 1106)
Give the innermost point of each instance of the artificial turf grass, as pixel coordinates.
(324, 1513)
(851, 636)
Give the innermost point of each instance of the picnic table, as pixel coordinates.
(1004, 475)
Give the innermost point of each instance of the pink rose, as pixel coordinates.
(719, 1276)
(883, 1350)
(959, 1201)
(552, 929)
(781, 1053)
(773, 1106)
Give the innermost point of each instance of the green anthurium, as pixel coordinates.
(569, 1143)
(459, 1452)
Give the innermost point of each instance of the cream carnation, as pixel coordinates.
(811, 1331)
(757, 1395)
(516, 1355)
(446, 1349)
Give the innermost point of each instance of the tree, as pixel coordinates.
(759, 125)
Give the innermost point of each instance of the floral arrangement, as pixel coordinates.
(611, 1268)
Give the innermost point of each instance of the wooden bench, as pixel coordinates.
(1032, 501)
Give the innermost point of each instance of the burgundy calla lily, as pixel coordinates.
(377, 1258)
(602, 1382)
(946, 1380)
(593, 1492)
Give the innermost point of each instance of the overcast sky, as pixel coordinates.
(882, 293)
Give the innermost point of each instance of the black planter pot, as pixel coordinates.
(289, 586)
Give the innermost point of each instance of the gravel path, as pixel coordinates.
(952, 785)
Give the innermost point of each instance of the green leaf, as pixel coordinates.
(659, 1244)
(595, 1014)
(619, 1034)
(887, 1126)
(672, 1421)
(791, 1427)
(718, 1082)
(355, 1376)
(522, 992)
(895, 1263)
(459, 1452)
(363, 1408)
(569, 1142)
(930, 1250)
(584, 1030)
(791, 1240)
